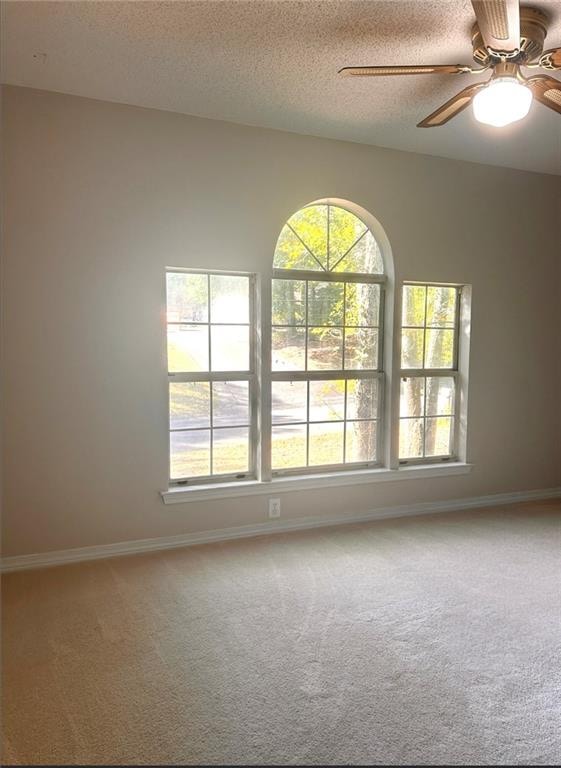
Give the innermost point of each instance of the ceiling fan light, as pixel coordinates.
(502, 102)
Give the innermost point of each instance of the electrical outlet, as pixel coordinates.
(274, 508)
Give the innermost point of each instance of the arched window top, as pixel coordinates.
(323, 237)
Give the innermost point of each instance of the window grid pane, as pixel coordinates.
(429, 340)
(427, 416)
(327, 238)
(324, 422)
(429, 327)
(211, 421)
(320, 330)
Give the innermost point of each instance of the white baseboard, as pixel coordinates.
(61, 557)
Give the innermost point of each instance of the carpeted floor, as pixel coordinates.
(424, 640)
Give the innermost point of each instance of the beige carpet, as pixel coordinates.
(421, 640)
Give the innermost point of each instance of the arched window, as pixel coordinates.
(326, 355)
(327, 403)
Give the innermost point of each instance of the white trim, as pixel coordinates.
(211, 377)
(182, 495)
(43, 559)
(459, 370)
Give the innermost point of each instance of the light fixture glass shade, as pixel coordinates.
(503, 101)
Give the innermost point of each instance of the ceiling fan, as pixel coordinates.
(505, 37)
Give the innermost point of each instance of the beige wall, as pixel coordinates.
(101, 197)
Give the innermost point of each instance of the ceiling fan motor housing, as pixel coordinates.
(533, 30)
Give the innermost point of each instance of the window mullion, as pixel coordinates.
(308, 424)
(412, 372)
(335, 277)
(344, 323)
(360, 373)
(306, 326)
(345, 422)
(209, 376)
(211, 458)
(425, 329)
(264, 403)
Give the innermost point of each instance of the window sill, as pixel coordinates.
(184, 495)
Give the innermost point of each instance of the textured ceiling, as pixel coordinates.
(274, 63)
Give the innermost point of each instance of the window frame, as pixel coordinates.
(378, 373)
(251, 376)
(454, 373)
(259, 479)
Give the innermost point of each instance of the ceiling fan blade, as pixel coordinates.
(452, 107)
(547, 90)
(551, 59)
(499, 23)
(435, 69)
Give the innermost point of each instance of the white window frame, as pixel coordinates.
(334, 374)
(260, 480)
(458, 373)
(251, 376)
